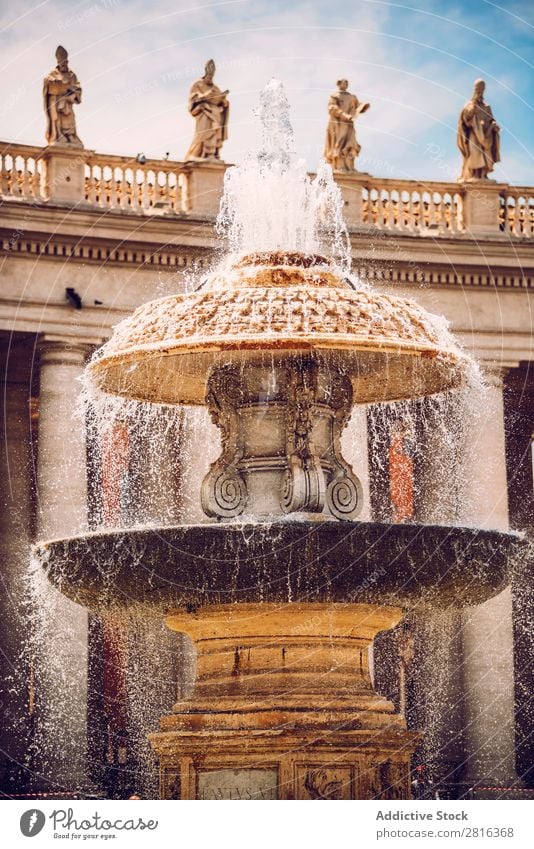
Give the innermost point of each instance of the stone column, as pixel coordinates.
(61, 626)
(16, 704)
(487, 633)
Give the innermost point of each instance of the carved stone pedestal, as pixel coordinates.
(284, 708)
(281, 432)
(63, 176)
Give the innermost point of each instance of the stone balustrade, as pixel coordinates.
(117, 182)
(21, 171)
(160, 186)
(414, 207)
(517, 211)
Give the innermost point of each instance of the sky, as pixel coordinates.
(414, 62)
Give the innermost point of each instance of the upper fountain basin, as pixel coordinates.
(265, 307)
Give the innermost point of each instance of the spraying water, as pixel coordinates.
(270, 203)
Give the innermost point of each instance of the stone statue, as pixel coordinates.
(61, 90)
(341, 147)
(209, 107)
(478, 136)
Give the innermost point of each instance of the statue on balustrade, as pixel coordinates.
(61, 90)
(341, 147)
(478, 136)
(210, 108)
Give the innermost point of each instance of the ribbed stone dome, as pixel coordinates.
(276, 305)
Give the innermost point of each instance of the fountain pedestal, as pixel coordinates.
(284, 707)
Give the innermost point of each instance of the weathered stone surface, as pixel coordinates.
(194, 565)
(285, 304)
(285, 688)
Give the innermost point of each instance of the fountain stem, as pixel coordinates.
(281, 427)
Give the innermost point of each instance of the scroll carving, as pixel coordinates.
(344, 495)
(223, 493)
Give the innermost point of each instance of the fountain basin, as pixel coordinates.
(267, 308)
(190, 566)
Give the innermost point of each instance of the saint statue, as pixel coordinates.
(341, 147)
(209, 107)
(61, 90)
(478, 136)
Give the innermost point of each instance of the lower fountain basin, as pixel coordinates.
(188, 566)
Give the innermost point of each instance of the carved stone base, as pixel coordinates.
(281, 429)
(63, 177)
(284, 708)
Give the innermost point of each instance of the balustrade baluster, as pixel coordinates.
(521, 216)
(385, 209)
(166, 188)
(113, 197)
(137, 190)
(36, 179)
(25, 181)
(4, 176)
(145, 200)
(124, 190)
(410, 212)
(515, 217)
(433, 220)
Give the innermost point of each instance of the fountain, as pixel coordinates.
(282, 589)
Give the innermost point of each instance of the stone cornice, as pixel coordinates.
(170, 228)
(433, 275)
(171, 242)
(172, 257)
(103, 252)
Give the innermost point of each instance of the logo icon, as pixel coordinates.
(32, 822)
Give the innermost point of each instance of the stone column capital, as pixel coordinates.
(66, 350)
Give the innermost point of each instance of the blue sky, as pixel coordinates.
(415, 62)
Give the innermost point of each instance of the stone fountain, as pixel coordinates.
(278, 588)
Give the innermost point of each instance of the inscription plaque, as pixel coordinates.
(238, 784)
